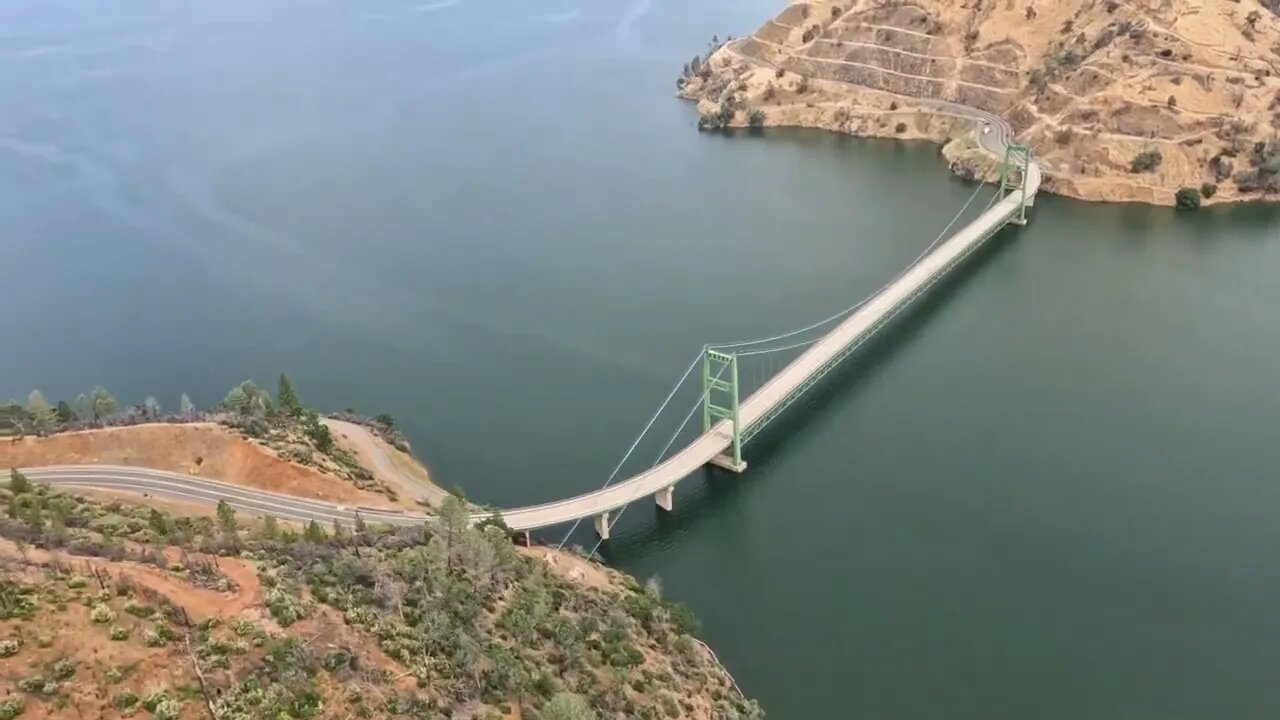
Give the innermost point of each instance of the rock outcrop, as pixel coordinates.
(1120, 101)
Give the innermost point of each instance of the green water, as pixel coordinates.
(1046, 493)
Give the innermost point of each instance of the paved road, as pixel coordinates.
(190, 488)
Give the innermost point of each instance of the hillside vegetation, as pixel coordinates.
(95, 428)
(110, 610)
(1126, 100)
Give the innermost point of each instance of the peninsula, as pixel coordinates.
(1119, 101)
(121, 600)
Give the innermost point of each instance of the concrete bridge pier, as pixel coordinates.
(726, 462)
(602, 525)
(666, 497)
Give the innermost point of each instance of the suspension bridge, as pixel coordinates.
(732, 409)
(729, 421)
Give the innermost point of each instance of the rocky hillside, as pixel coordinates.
(115, 611)
(1124, 101)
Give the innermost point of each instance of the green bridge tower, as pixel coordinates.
(720, 401)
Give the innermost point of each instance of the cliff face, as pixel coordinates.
(1120, 100)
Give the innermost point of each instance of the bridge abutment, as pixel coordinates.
(602, 526)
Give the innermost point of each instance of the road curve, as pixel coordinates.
(759, 407)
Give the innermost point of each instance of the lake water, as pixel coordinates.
(1049, 492)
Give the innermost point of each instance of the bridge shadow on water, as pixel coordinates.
(713, 492)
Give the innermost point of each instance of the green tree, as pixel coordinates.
(1187, 198)
(454, 517)
(83, 407)
(567, 706)
(247, 399)
(314, 533)
(1146, 161)
(286, 398)
(18, 483)
(317, 431)
(158, 522)
(185, 407)
(102, 404)
(270, 527)
(42, 416)
(226, 516)
(65, 413)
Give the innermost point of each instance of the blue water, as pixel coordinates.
(1046, 493)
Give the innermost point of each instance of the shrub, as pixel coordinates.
(154, 700)
(36, 685)
(155, 639)
(900, 128)
(64, 669)
(9, 648)
(1187, 199)
(101, 614)
(137, 609)
(125, 700)
(1146, 161)
(285, 609)
(118, 633)
(11, 708)
(1208, 190)
(170, 709)
(755, 118)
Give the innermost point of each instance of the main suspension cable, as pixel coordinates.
(853, 308)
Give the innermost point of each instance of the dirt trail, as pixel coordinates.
(197, 601)
(387, 463)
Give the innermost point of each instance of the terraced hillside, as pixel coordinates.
(1120, 100)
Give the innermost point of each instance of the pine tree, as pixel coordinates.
(314, 533)
(83, 407)
(317, 431)
(104, 406)
(226, 516)
(65, 413)
(185, 406)
(42, 416)
(286, 398)
(158, 523)
(248, 399)
(18, 483)
(270, 528)
(152, 406)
